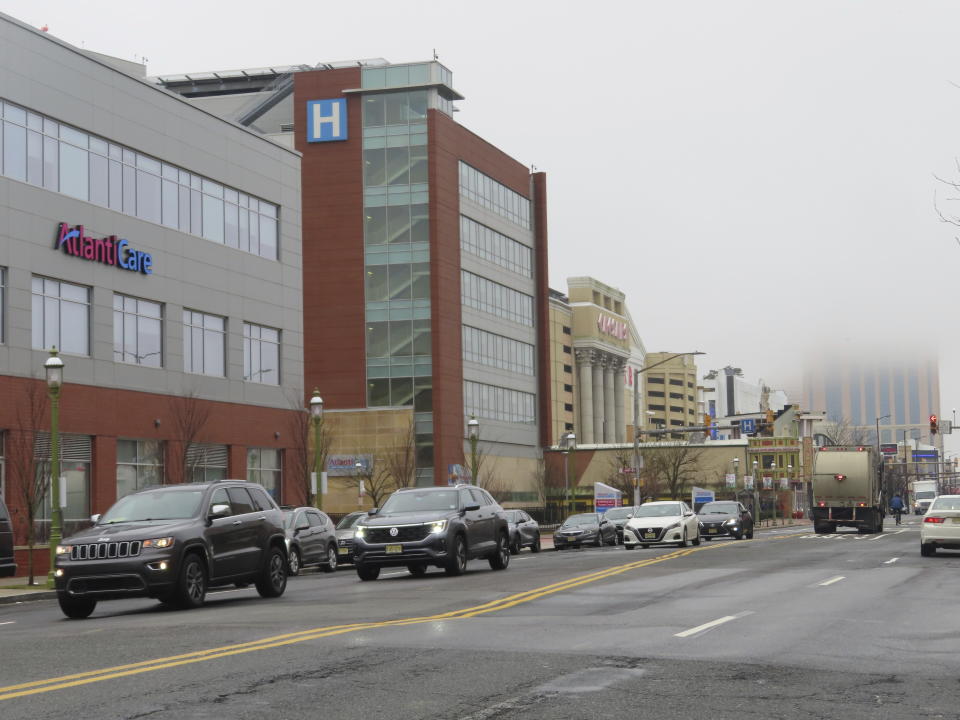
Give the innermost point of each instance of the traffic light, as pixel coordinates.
(933, 424)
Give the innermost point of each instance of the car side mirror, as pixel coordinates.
(471, 508)
(95, 518)
(372, 511)
(220, 510)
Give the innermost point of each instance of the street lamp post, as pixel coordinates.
(473, 434)
(357, 472)
(756, 493)
(316, 416)
(53, 368)
(773, 481)
(569, 444)
(790, 480)
(736, 465)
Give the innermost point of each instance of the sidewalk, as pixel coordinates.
(15, 590)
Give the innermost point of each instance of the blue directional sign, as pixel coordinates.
(326, 120)
(748, 426)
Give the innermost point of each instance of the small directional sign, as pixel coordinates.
(748, 426)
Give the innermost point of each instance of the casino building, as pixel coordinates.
(157, 246)
(425, 256)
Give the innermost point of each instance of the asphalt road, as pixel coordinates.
(789, 625)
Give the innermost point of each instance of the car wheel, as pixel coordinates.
(683, 543)
(696, 540)
(457, 564)
(500, 559)
(192, 586)
(644, 546)
(515, 546)
(273, 576)
(331, 564)
(76, 608)
(628, 547)
(926, 549)
(368, 572)
(749, 535)
(295, 562)
(535, 548)
(417, 569)
(613, 540)
(820, 529)
(599, 541)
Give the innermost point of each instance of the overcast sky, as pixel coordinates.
(757, 177)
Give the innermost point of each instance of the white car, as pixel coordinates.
(660, 523)
(941, 525)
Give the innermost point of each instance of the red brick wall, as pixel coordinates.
(333, 276)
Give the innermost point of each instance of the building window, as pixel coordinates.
(568, 426)
(676, 422)
(568, 368)
(497, 351)
(488, 193)
(76, 453)
(61, 316)
(137, 331)
(263, 467)
(491, 297)
(566, 330)
(654, 380)
(676, 396)
(497, 248)
(261, 354)
(206, 463)
(674, 381)
(674, 408)
(498, 403)
(655, 393)
(567, 350)
(204, 338)
(139, 464)
(656, 407)
(568, 407)
(55, 156)
(568, 388)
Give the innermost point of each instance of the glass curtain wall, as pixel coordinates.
(397, 260)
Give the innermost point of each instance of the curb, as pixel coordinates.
(28, 596)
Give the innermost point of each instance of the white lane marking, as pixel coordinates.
(705, 626)
(831, 581)
(9, 622)
(891, 561)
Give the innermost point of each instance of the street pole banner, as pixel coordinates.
(784, 483)
(748, 482)
(605, 497)
(731, 480)
(767, 482)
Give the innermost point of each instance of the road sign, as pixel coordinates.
(946, 427)
(748, 426)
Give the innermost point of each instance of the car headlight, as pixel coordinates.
(64, 549)
(360, 531)
(438, 526)
(162, 542)
(733, 522)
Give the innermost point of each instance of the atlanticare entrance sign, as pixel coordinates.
(109, 250)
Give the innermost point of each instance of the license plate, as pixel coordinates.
(711, 530)
(344, 551)
(650, 536)
(394, 549)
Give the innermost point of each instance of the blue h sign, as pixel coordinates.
(748, 426)
(326, 120)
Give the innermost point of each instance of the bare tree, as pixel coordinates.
(400, 460)
(676, 466)
(190, 415)
(302, 457)
(541, 479)
(840, 432)
(375, 479)
(621, 459)
(32, 475)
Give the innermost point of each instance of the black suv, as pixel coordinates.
(172, 543)
(440, 526)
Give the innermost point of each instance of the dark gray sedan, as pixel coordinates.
(584, 529)
(725, 517)
(619, 516)
(524, 531)
(311, 539)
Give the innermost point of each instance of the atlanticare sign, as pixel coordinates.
(109, 250)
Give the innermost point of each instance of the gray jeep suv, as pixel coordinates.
(440, 526)
(173, 543)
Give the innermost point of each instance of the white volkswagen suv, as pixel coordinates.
(941, 525)
(659, 523)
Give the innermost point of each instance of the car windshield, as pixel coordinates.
(666, 510)
(925, 494)
(420, 501)
(945, 503)
(156, 505)
(288, 517)
(584, 519)
(719, 509)
(513, 516)
(349, 521)
(618, 513)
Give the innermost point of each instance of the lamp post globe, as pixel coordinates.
(53, 371)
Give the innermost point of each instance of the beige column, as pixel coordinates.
(620, 431)
(609, 428)
(584, 432)
(597, 397)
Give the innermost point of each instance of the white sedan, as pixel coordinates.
(660, 523)
(941, 525)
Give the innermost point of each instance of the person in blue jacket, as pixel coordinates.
(896, 506)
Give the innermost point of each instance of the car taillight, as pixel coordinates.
(823, 504)
(861, 505)
(934, 519)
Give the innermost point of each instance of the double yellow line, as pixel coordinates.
(85, 678)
